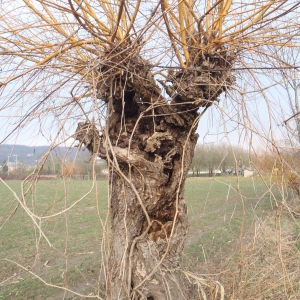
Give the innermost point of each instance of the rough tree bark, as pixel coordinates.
(149, 142)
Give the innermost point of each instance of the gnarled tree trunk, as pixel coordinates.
(149, 142)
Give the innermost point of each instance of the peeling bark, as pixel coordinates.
(149, 143)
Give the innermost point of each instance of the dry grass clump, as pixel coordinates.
(202, 287)
(293, 205)
(268, 267)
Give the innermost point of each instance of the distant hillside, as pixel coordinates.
(30, 155)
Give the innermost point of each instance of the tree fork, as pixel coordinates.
(149, 143)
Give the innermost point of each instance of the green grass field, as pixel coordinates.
(222, 212)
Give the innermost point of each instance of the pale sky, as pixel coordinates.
(228, 122)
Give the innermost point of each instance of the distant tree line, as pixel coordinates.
(79, 167)
(4, 168)
(215, 158)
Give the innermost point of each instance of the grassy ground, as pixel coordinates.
(73, 258)
(221, 211)
(222, 214)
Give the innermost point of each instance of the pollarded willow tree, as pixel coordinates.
(151, 68)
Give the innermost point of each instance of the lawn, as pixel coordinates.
(222, 212)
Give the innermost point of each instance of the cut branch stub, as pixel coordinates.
(126, 72)
(202, 83)
(88, 136)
